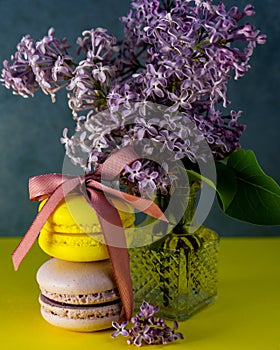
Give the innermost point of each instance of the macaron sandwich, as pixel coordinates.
(78, 296)
(78, 290)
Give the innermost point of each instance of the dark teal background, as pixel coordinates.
(30, 129)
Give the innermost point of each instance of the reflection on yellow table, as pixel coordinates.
(245, 316)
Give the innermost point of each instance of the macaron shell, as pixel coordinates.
(72, 247)
(65, 277)
(89, 320)
(72, 215)
(75, 215)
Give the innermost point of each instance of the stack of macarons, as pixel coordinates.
(78, 290)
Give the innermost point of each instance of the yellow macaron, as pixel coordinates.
(73, 233)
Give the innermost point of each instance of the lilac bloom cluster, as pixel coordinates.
(159, 141)
(147, 329)
(184, 54)
(44, 65)
(180, 54)
(93, 76)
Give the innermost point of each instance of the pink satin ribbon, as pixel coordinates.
(56, 186)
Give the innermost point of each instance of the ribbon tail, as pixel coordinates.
(119, 258)
(145, 205)
(116, 244)
(33, 232)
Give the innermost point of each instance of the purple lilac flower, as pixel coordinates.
(133, 171)
(120, 329)
(147, 311)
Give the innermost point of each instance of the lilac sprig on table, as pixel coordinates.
(146, 329)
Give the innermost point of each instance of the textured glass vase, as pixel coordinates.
(178, 272)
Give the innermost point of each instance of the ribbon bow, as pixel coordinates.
(56, 186)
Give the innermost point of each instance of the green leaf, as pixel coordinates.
(193, 175)
(226, 185)
(257, 196)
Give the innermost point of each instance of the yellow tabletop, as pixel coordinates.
(246, 314)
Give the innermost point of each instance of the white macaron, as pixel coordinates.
(78, 296)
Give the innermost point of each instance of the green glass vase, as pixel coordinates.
(177, 272)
